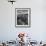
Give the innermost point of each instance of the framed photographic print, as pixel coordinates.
(22, 17)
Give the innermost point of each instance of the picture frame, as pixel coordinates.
(23, 17)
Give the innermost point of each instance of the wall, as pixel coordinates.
(37, 31)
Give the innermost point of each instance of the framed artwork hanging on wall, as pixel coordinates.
(22, 17)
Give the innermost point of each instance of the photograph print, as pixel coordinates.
(22, 17)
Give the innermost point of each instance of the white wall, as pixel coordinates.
(8, 31)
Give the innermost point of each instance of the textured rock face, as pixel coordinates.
(22, 19)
